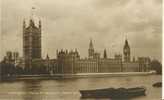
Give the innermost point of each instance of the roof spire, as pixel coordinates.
(32, 23)
(105, 54)
(91, 44)
(126, 39)
(40, 25)
(32, 13)
(47, 57)
(24, 23)
(32, 9)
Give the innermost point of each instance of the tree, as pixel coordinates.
(7, 69)
(157, 66)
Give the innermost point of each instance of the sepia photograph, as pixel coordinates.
(81, 50)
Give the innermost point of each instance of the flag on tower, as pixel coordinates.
(33, 7)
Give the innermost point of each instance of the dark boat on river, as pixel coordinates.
(158, 84)
(113, 93)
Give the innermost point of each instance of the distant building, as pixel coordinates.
(110, 65)
(144, 63)
(8, 56)
(46, 66)
(130, 67)
(91, 52)
(87, 66)
(66, 61)
(31, 42)
(69, 62)
(12, 58)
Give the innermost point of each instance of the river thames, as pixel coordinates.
(68, 89)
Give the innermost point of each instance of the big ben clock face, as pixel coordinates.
(125, 50)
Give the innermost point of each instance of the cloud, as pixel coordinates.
(70, 24)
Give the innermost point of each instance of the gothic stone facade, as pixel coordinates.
(71, 63)
(31, 42)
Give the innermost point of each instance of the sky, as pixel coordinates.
(70, 24)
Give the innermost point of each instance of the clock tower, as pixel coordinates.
(126, 51)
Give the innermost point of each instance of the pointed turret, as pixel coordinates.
(91, 49)
(105, 54)
(134, 59)
(126, 44)
(40, 24)
(47, 57)
(91, 44)
(32, 24)
(24, 24)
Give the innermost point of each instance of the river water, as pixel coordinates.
(68, 89)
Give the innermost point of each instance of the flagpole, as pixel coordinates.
(32, 12)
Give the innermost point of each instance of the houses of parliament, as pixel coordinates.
(70, 62)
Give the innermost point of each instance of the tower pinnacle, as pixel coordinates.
(32, 13)
(91, 49)
(105, 54)
(40, 24)
(91, 44)
(24, 24)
